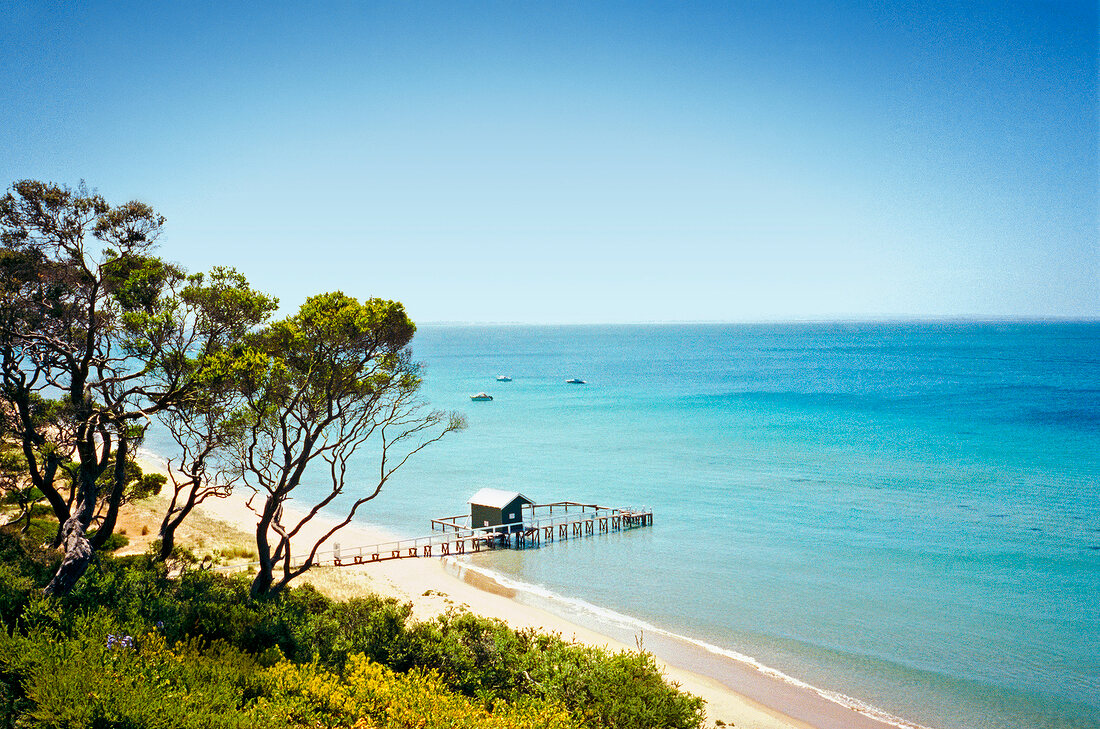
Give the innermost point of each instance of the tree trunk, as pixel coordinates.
(265, 575)
(177, 512)
(43, 478)
(74, 541)
(78, 554)
(168, 526)
(45, 483)
(107, 526)
(167, 542)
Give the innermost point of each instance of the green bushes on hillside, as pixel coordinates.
(131, 647)
(99, 679)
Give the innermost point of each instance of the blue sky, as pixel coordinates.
(587, 162)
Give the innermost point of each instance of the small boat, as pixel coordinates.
(504, 378)
(481, 397)
(576, 381)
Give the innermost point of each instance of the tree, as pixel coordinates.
(97, 335)
(339, 375)
(201, 425)
(199, 431)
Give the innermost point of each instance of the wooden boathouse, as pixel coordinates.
(493, 507)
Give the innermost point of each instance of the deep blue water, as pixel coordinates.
(906, 513)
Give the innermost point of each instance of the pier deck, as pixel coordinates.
(542, 523)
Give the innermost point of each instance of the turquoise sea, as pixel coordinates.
(904, 515)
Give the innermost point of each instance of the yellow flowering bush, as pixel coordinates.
(370, 695)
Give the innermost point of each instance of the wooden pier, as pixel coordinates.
(541, 524)
(572, 520)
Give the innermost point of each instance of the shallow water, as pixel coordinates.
(903, 513)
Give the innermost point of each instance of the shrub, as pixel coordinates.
(42, 531)
(624, 690)
(15, 590)
(373, 626)
(487, 659)
(91, 680)
(88, 681)
(480, 657)
(24, 567)
(116, 541)
(295, 658)
(370, 695)
(236, 553)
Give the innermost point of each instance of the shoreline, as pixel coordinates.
(432, 590)
(789, 697)
(737, 690)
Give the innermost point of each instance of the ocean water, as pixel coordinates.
(900, 514)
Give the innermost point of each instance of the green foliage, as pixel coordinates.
(372, 626)
(42, 531)
(137, 484)
(225, 304)
(204, 653)
(113, 543)
(624, 690)
(100, 678)
(24, 566)
(479, 657)
(371, 695)
(90, 680)
(338, 374)
(15, 591)
(90, 313)
(13, 467)
(487, 659)
(223, 555)
(136, 281)
(336, 349)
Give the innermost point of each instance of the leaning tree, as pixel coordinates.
(339, 375)
(96, 336)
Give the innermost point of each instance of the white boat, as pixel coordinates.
(504, 378)
(481, 397)
(576, 381)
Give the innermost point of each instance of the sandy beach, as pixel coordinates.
(744, 697)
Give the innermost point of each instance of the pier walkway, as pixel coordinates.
(542, 523)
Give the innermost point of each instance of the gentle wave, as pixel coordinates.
(458, 566)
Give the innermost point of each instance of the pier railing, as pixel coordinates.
(571, 520)
(531, 513)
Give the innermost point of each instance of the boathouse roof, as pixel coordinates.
(497, 498)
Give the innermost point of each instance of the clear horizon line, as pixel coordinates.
(885, 318)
